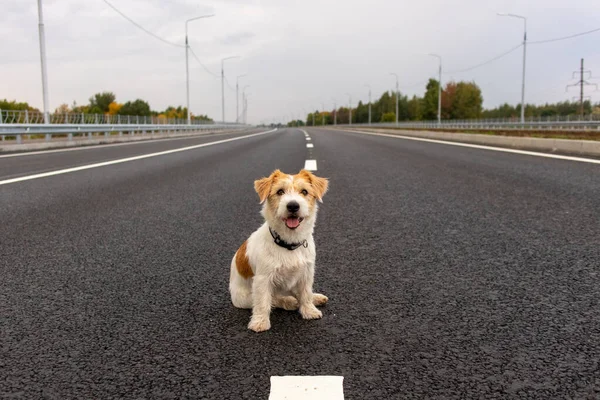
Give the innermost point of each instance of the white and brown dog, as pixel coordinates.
(275, 267)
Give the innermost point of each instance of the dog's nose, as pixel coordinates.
(293, 206)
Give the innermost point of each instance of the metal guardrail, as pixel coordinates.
(19, 124)
(18, 131)
(591, 122)
(36, 117)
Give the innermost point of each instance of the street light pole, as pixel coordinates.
(397, 92)
(439, 114)
(237, 98)
(524, 60)
(223, 85)
(323, 114)
(369, 103)
(350, 108)
(42, 34)
(245, 106)
(244, 103)
(187, 67)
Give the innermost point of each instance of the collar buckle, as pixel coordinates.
(282, 243)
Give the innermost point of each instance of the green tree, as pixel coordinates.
(14, 106)
(503, 111)
(430, 100)
(362, 113)
(100, 102)
(467, 102)
(415, 112)
(388, 117)
(137, 107)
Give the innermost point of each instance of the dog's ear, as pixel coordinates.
(320, 185)
(263, 186)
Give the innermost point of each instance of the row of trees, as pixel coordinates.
(460, 100)
(106, 103)
(546, 110)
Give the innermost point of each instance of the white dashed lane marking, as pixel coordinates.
(309, 145)
(307, 388)
(310, 165)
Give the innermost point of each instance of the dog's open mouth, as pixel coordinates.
(293, 222)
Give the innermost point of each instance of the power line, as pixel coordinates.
(485, 62)
(142, 28)
(565, 37)
(230, 87)
(203, 66)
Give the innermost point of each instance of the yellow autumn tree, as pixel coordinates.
(114, 107)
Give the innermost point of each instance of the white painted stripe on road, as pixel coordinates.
(123, 160)
(303, 131)
(307, 388)
(105, 145)
(308, 138)
(310, 165)
(478, 146)
(310, 145)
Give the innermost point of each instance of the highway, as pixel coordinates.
(452, 272)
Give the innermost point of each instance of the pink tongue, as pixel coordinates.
(292, 222)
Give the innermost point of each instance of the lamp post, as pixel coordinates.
(439, 113)
(397, 95)
(223, 85)
(245, 106)
(237, 97)
(322, 114)
(187, 68)
(524, 59)
(42, 34)
(244, 103)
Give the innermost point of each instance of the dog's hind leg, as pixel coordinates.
(319, 299)
(288, 303)
(241, 298)
(240, 289)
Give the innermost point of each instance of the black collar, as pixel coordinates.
(290, 246)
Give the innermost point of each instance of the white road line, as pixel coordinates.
(123, 160)
(309, 145)
(303, 131)
(309, 165)
(102, 146)
(307, 388)
(477, 146)
(308, 138)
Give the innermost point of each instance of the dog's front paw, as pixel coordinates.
(259, 324)
(310, 312)
(319, 299)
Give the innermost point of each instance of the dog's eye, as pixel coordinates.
(280, 192)
(304, 192)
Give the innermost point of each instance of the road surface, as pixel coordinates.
(452, 272)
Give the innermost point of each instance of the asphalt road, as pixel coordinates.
(452, 273)
(21, 164)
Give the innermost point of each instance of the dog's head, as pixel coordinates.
(290, 200)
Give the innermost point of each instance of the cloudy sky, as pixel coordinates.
(297, 54)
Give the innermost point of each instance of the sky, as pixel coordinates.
(298, 55)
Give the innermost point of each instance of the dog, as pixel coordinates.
(275, 267)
